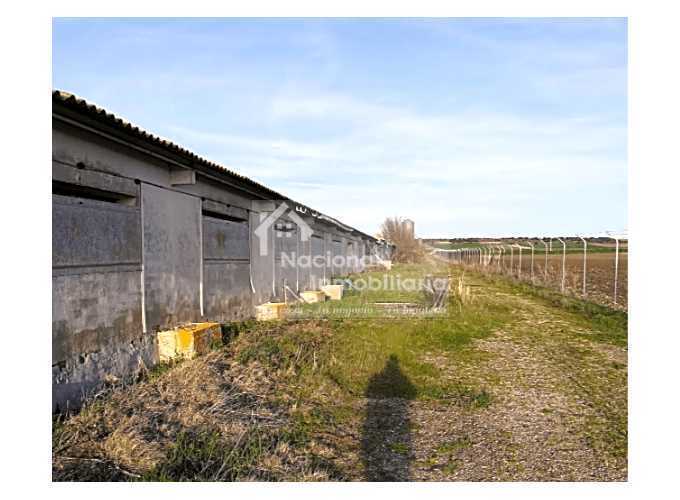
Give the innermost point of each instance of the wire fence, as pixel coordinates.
(594, 268)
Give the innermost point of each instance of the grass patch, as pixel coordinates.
(205, 455)
(160, 369)
(264, 351)
(453, 446)
(606, 324)
(343, 356)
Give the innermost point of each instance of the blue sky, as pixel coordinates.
(470, 127)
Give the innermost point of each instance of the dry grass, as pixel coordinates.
(211, 418)
(509, 385)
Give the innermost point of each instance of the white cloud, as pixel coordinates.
(443, 170)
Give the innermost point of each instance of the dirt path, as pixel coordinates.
(557, 409)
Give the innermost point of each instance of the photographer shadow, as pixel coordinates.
(386, 443)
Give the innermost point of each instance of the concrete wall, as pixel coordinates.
(97, 294)
(226, 269)
(172, 257)
(318, 249)
(286, 242)
(136, 251)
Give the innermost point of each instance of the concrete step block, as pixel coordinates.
(271, 311)
(333, 292)
(188, 341)
(313, 296)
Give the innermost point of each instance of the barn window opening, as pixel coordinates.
(221, 216)
(90, 193)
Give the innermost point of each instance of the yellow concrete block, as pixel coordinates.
(166, 345)
(271, 310)
(188, 341)
(313, 296)
(334, 292)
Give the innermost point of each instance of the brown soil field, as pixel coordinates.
(599, 275)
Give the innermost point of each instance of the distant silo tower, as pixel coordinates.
(410, 227)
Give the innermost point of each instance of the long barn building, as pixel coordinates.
(147, 236)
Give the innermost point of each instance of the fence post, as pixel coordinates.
(564, 260)
(532, 261)
(505, 267)
(616, 269)
(512, 260)
(585, 256)
(545, 269)
(519, 267)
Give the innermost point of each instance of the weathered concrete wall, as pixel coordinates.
(262, 264)
(134, 251)
(317, 274)
(286, 242)
(336, 250)
(172, 257)
(96, 292)
(304, 273)
(226, 269)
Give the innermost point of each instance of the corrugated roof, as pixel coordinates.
(81, 107)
